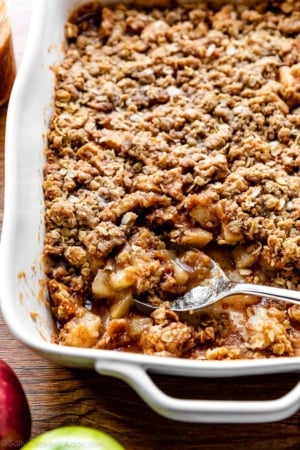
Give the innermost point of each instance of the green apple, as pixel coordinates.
(73, 437)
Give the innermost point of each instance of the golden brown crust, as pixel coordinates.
(175, 131)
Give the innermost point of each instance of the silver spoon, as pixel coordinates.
(218, 287)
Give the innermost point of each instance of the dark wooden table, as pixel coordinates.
(60, 396)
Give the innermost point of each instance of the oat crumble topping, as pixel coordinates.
(175, 135)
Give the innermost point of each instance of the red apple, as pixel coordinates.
(15, 417)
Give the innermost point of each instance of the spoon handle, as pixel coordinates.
(276, 293)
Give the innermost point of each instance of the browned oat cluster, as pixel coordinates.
(175, 135)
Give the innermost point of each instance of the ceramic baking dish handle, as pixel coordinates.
(201, 411)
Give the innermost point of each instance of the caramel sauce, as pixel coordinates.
(7, 69)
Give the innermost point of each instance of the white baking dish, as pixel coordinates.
(23, 297)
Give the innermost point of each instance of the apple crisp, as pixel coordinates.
(175, 138)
